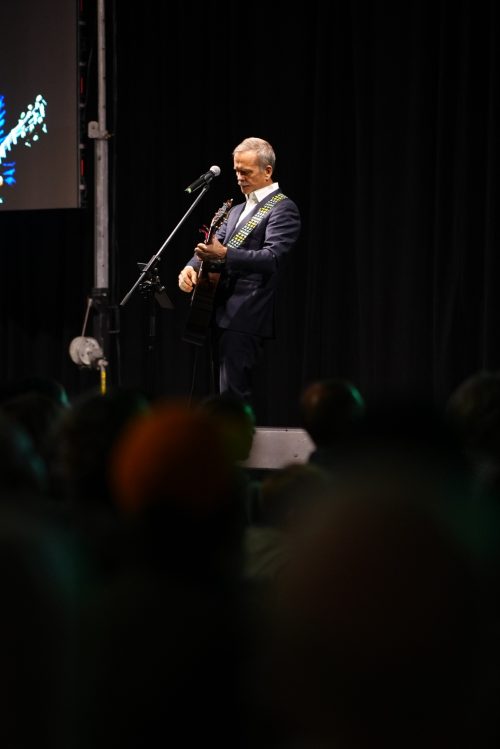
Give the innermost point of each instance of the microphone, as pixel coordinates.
(204, 179)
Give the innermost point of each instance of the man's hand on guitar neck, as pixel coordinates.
(213, 251)
(187, 278)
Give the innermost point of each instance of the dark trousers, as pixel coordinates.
(235, 356)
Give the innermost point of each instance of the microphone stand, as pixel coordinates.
(149, 285)
(148, 278)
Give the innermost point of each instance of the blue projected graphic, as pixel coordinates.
(30, 125)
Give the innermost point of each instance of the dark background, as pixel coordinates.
(385, 121)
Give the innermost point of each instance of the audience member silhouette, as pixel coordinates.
(379, 633)
(79, 469)
(22, 471)
(236, 420)
(38, 581)
(473, 410)
(161, 643)
(347, 603)
(38, 414)
(331, 411)
(47, 386)
(384, 615)
(86, 438)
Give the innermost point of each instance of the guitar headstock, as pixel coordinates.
(218, 219)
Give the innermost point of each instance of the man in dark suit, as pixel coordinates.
(249, 250)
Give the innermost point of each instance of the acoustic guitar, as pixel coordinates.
(203, 294)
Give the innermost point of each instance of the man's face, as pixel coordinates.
(249, 174)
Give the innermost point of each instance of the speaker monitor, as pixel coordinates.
(275, 447)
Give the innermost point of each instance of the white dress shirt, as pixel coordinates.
(255, 197)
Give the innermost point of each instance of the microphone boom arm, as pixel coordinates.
(149, 265)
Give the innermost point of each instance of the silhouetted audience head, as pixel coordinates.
(22, 470)
(330, 410)
(473, 410)
(38, 583)
(38, 414)
(47, 386)
(172, 455)
(378, 628)
(171, 617)
(85, 439)
(236, 419)
(173, 480)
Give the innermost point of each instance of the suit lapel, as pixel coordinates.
(233, 219)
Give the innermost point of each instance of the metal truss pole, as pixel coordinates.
(98, 132)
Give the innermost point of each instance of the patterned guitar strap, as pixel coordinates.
(241, 234)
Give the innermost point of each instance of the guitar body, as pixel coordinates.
(202, 305)
(203, 295)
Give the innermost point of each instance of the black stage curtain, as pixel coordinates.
(385, 120)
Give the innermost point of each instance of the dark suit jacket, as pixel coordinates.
(246, 291)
